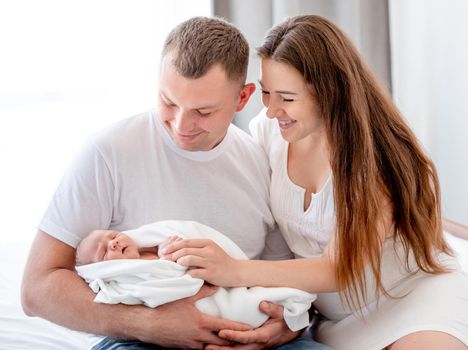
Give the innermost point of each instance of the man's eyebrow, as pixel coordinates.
(198, 109)
(165, 97)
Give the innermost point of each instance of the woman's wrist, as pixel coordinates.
(241, 273)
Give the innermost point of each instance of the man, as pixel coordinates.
(183, 161)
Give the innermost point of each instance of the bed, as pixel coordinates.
(18, 331)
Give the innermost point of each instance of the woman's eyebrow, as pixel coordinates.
(286, 92)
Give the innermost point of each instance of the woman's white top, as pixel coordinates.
(418, 301)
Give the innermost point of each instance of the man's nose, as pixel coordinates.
(184, 122)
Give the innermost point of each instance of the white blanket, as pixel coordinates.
(155, 282)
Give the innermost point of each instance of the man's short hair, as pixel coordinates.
(202, 42)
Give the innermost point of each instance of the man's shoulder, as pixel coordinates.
(125, 134)
(244, 140)
(263, 127)
(134, 125)
(129, 137)
(246, 150)
(240, 135)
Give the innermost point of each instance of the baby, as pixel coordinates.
(101, 245)
(128, 267)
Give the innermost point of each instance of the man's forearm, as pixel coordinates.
(64, 298)
(51, 289)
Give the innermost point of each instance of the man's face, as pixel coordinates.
(197, 112)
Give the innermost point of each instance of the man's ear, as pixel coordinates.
(245, 94)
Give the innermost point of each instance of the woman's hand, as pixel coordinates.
(166, 243)
(205, 260)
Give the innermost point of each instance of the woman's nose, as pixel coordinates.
(270, 113)
(272, 109)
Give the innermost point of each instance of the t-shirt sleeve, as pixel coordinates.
(83, 200)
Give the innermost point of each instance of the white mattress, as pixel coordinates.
(18, 331)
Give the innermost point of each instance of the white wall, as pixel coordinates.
(68, 68)
(430, 86)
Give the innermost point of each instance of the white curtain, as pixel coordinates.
(365, 21)
(429, 41)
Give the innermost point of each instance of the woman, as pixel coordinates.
(354, 195)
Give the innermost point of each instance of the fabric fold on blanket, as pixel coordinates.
(156, 282)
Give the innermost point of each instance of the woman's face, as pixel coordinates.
(290, 100)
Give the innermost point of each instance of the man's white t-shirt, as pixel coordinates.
(132, 174)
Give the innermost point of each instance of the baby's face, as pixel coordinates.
(103, 245)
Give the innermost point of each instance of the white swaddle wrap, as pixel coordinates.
(155, 282)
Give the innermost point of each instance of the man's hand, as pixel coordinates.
(272, 333)
(186, 327)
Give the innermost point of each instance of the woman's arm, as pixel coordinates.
(210, 263)
(312, 275)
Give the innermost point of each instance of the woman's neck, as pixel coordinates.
(313, 146)
(308, 165)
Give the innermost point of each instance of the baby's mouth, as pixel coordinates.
(124, 249)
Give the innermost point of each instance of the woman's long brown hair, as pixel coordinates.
(375, 157)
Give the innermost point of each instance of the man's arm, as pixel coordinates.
(51, 289)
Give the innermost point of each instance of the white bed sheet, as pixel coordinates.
(18, 331)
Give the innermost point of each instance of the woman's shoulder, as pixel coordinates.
(261, 125)
(264, 130)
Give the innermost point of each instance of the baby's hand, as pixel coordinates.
(164, 244)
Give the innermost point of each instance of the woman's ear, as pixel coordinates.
(244, 96)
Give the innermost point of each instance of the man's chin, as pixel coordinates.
(189, 147)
